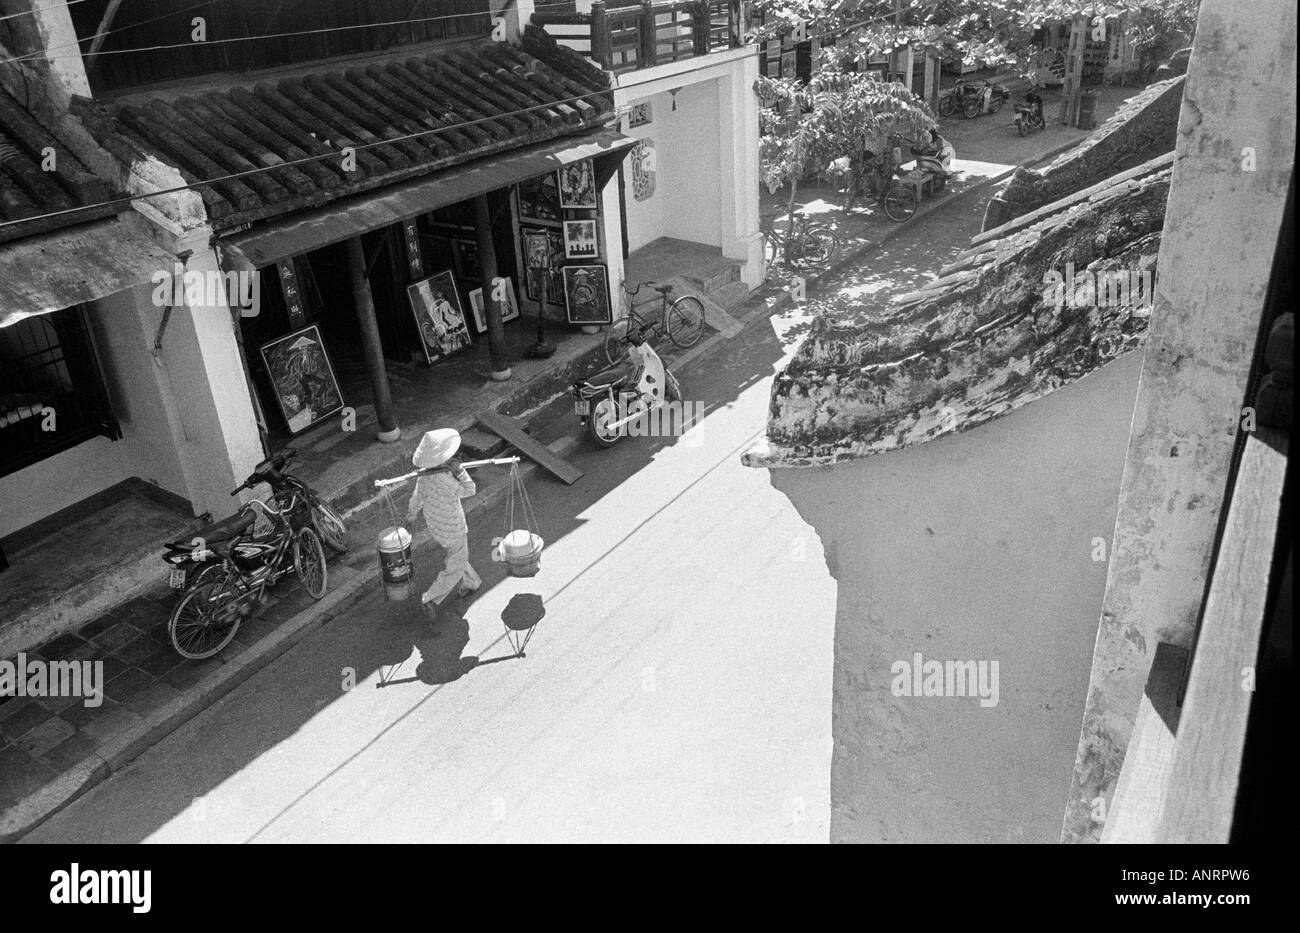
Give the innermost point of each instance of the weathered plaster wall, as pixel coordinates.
(1216, 254)
(977, 546)
(981, 341)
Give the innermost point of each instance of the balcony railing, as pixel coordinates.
(627, 37)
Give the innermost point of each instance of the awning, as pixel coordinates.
(45, 273)
(271, 242)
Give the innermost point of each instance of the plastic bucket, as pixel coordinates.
(520, 551)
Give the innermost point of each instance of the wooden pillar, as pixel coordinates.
(600, 49)
(1073, 88)
(365, 307)
(649, 35)
(487, 259)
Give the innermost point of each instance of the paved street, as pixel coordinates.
(677, 686)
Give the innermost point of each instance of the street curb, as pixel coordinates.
(114, 755)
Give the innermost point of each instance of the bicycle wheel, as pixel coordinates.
(996, 103)
(205, 619)
(900, 202)
(309, 562)
(821, 247)
(971, 108)
(947, 104)
(615, 341)
(685, 321)
(330, 526)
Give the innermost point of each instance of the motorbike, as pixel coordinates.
(612, 399)
(223, 571)
(1029, 115)
(973, 99)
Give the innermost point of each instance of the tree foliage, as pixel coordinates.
(986, 32)
(836, 115)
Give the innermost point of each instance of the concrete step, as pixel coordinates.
(731, 296)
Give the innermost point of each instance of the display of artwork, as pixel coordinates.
(643, 169)
(439, 315)
(555, 259)
(586, 294)
(580, 240)
(303, 378)
(578, 186)
(509, 308)
(539, 198)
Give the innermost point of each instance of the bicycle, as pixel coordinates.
(811, 245)
(681, 320)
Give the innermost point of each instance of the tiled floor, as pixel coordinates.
(43, 737)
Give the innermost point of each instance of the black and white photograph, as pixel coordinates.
(509, 306)
(586, 295)
(531, 239)
(888, 443)
(298, 366)
(580, 239)
(578, 186)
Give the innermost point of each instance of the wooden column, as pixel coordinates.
(600, 49)
(487, 260)
(365, 307)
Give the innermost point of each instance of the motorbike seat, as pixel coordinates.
(611, 376)
(231, 527)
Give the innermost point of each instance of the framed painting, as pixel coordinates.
(509, 311)
(302, 376)
(586, 294)
(439, 316)
(555, 286)
(580, 241)
(578, 186)
(539, 198)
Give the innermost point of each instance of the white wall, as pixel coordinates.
(706, 151)
(146, 448)
(646, 220)
(975, 546)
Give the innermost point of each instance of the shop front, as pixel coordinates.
(432, 262)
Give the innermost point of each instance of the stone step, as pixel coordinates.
(730, 296)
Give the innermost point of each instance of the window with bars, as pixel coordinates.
(52, 394)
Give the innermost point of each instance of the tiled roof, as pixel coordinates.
(27, 190)
(482, 98)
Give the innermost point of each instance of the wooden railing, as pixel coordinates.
(627, 37)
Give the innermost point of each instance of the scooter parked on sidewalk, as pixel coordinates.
(1029, 115)
(225, 568)
(609, 401)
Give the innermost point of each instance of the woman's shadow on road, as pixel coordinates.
(440, 646)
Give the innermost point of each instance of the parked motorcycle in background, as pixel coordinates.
(1029, 115)
(971, 100)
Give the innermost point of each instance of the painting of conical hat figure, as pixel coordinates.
(303, 378)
